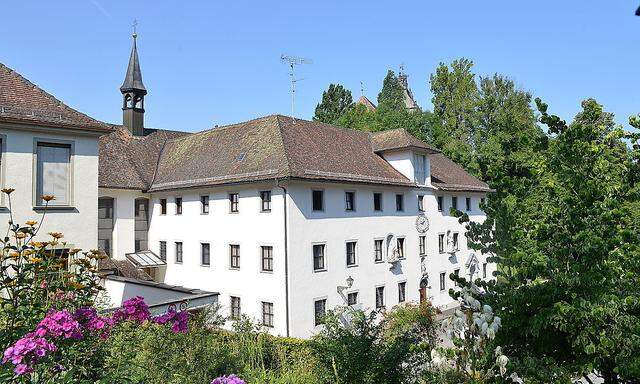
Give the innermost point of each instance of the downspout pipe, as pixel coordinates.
(286, 253)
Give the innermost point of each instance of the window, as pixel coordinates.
(163, 206)
(399, 202)
(420, 168)
(457, 273)
(163, 250)
(105, 224)
(53, 173)
(379, 297)
(351, 253)
(319, 310)
(402, 292)
(233, 202)
(204, 205)
(265, 201)
(350, 201)
(235, 308)
(377, 201)
(482, 201)
(318, 200)
(468, 203)
(318, 257)
(141, 224)
(352, 298)
(400, 247)
(267, 258)
(441, 243)
(456, 244)
(377, 246)
(178, 251)
(443, 282)
(454, 202)
(178, 205)
(440, 203)
(234, 253)
(267, 314)
(422, 244)
(420, 203)
(205, 255)
(484, 270)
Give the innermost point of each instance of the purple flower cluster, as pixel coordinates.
(63, 325)
(179, 320)
(231, 379)
(134, 309)
(59, 324)
(26, 352)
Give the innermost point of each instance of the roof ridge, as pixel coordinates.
(287, 161)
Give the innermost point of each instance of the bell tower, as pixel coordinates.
(133, 93)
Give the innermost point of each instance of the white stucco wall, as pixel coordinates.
(335, 227)
(124, 220)
(78, 222)
(402, 161)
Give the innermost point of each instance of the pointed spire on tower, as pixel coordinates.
(133, 78)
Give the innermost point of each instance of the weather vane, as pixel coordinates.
(135, 28)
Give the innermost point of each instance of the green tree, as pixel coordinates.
(391, 97)
(336, 101)
(568, 287)
(455, 106)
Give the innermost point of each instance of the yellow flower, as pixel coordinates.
(56, 235)
(77, 285)
(35, 260)
(20, 235)
(48, 198)
(28, 252)
(8, 190)
(31, 223)
(73, 251)
(14, 254)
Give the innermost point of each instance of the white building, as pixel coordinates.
(285, 218)
(48, 148)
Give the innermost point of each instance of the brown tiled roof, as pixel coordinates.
(398, 139)
(129, 162)
(449, 176)
(266, 148)
(23, 102)
(363, 100)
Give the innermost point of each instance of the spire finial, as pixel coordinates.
(135, 29)
(361, 88)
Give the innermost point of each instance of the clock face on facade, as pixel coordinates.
(422, 223)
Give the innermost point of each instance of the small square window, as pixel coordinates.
(163, 206)
(204, 205)
(205, 255)
(267, 258)
(379, 297)
(377, 246)
(422, 244)
(402, 292)
(468, 203)
(163, 250)
(234, 253)
(352, 298)
(443, 277)
(318, 200)
(351, 253)
(233, 202)
(377, 201)
(350, 201)
(318, 257)
(320, 310)
(399, 202)
(178, 252)
(420, 203)
(267, 314)
(178, 202)
(265, 201)
(400, 247)
(235, 308)
(440, 203)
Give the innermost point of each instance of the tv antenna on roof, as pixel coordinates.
(293, 61)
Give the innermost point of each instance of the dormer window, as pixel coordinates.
(420, 168)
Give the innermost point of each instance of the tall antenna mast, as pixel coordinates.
(293, 61)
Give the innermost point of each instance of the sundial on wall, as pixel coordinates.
(422, 223)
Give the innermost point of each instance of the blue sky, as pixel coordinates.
(217, 62)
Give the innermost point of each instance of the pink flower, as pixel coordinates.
(134, 309)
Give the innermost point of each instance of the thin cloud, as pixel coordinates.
(101, 9)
